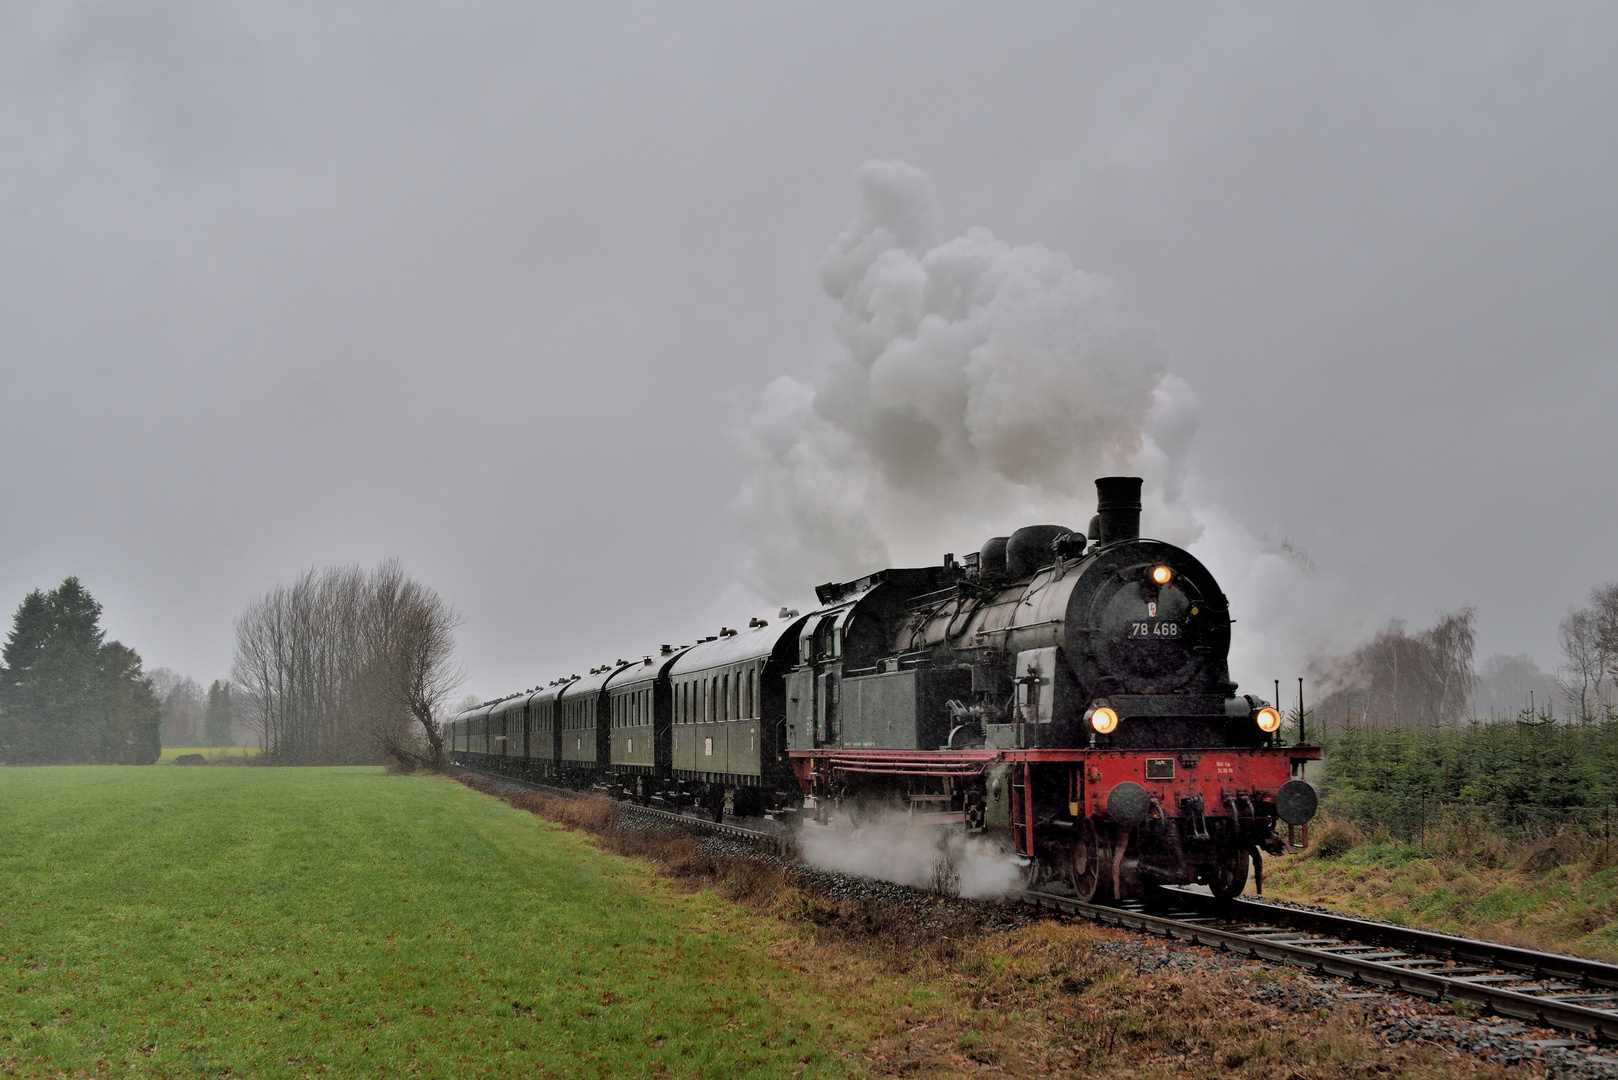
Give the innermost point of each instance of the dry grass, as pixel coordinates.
(1042, 1000)
(1555, 890)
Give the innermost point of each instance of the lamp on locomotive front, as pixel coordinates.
(1269, 719)
(1162, 575)
(1104, 718)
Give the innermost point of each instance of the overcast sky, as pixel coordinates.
(491, 287)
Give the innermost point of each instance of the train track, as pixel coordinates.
(778, 841)
(1547, 989)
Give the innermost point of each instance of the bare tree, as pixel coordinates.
(1402, 678)
(182, 707)
(1506, 684)
(1589, 642)
(340, 664)
(414, 652)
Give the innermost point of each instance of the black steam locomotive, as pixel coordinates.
(1064, 693)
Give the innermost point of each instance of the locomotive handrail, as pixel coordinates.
(920, 768)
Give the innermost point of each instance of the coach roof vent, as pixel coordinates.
(1118, 508)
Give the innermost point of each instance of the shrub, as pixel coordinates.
(1336, 838)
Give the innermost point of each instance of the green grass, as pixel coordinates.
(212, 753)
(298, 922)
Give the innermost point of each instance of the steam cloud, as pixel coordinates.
(891, 848)
(981, 387)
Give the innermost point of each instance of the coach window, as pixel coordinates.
(752, 701)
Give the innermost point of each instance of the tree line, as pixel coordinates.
(347, 666)
(67, 694)
(1406, 744)
(191, 715)
(1429, 678)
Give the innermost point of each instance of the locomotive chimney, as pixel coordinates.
(1118, 508)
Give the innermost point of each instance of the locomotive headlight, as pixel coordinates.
(1269, 720)
(1162, 575)
(1104, 719)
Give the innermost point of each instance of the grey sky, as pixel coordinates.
(484, 287)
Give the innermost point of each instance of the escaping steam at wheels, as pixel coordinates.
(1063, 695)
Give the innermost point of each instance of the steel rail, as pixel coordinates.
(1541, 965)
(1262, 942)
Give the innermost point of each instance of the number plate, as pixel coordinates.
(1154, 630)
(1159, 768)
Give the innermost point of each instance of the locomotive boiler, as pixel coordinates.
(1063, 693)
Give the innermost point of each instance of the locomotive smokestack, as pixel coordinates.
(1118, 508)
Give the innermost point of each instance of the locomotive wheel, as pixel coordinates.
(1090, 869)
(1229, 877)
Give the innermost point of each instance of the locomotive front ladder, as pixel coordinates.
(1022, 808)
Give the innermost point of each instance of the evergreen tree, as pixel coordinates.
(216, 723)
(66, 693)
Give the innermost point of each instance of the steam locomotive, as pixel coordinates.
(1065, 694)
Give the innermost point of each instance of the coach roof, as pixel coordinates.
(754, 645)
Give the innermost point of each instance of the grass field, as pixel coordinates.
(267, 922)
(212, 753)
(293, 922)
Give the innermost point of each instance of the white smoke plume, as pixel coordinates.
(980, 387)
(892, 848)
